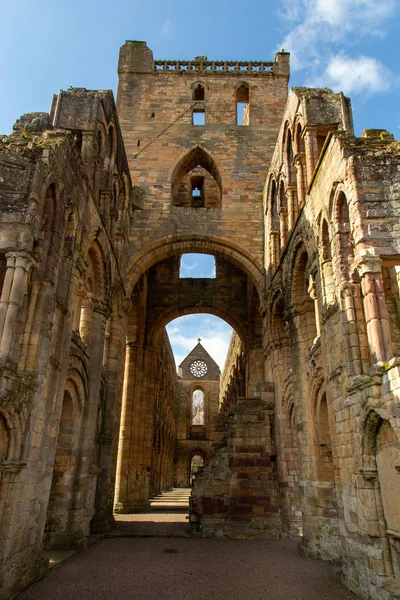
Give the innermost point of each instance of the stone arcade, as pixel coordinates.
(98, 204)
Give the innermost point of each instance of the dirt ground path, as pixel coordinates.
(189, 569)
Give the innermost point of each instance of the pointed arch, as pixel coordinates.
(196, 181)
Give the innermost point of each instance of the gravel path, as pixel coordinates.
(189, 569)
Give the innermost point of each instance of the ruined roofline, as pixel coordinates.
(136, 57)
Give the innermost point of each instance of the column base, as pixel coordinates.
(102, 525)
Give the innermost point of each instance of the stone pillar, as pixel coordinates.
(107, 439)
(134, 460)
(312, 290)
(283, 215)
(301, 179)
(125, 437)
(351, 316)
(12, 297)
(378, 329)
(86, 318)
(293, 209)
(274, 248)
(89, 471)
(311, 148)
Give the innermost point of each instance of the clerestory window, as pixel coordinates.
(242, 105)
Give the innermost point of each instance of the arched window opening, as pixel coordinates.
(62, 506)
(196, 182)
(63, 464)
(326, 265)
(242, 105)
(325, 462)
(300, 145)
(391, 286)
(198, 116)
(283, 215)
(275, 236)
(277, 322)
(196, 465)
(304, 297)
(300, 164)
(387, 462)
(198, 92)
(346, 246)
(4, 440)
(48, 241)
(381, 457)
(291, 171)
(198, 407)
(197, 266)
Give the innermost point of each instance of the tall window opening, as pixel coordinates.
(197, 184)
(198, 407)
(198, 92)
(197, 266)
(325, 463)
(199, 116)
(242, 105)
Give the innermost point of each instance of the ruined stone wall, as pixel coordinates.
(62, 319)
(328, 331)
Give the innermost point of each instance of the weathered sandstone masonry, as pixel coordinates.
(237, 495)
(299, 437)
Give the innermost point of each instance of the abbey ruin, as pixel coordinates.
(99, 201)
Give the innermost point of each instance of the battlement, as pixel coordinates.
(203, 66)
(136, 57)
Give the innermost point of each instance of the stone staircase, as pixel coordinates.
(175, 500)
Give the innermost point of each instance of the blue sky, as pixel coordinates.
(350, 45)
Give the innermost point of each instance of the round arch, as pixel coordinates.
(170, 314)
(166, 248)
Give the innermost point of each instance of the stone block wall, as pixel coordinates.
(237, 494)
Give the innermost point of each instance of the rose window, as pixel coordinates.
(198, 368)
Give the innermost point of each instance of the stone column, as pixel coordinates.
(293, 209)
(89, 470)
(378, 329)
(283, 216)
(301, 180)
(107, 439)
(274, 248)
(87, 315)
(12, 297)
(312, 290)
(311, 148)
(350, 308)
(122, 477)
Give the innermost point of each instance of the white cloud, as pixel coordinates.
(168, 29)
(317, 24)
(188, 267)
(354, 75)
